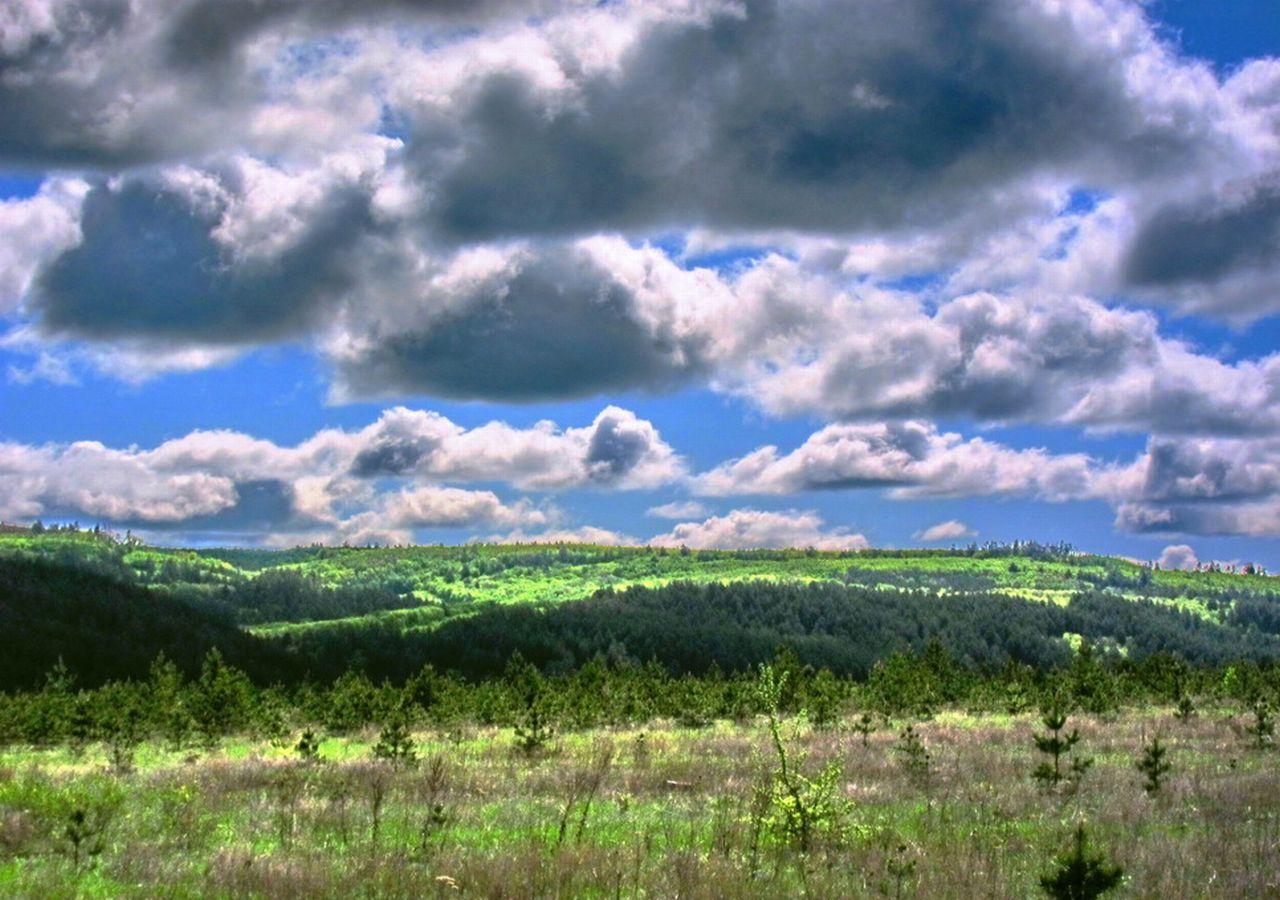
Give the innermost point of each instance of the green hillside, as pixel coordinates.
(392, 609)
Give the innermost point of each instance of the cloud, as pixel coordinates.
(33, 231)
(1228, 486)
(243, 255)
(804, 345)
(754, 529)
(523, 323)
(618, 450)
(586, 534)
(520, 324)
(1179, 557)
(397, 515)
(913, 458)
(489, 249)
(453, 199)
(678, 509)
(950, 530)
(206, 33)
(810, 116)
(89, 479)
(1217, 253)
(1249, 518)
(377, 483)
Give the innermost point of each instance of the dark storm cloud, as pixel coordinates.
(149, 267)
(820, 116)
(559, 327)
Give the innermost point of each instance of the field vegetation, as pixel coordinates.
(607, 722)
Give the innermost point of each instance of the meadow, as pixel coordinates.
(651, 811)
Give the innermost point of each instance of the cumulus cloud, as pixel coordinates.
(246, 254)
(397, 515)
(87, 478)
(755, 529)
(913, 458)
(33, 231)
(377, 483)
(458, 259)
(524, 324)
(816, 116)
(677, 509)
(1227, 486)
(950, 530)
(453, 199)
(1217, 253)
(616, 450)
(807, 345)
(1178, 556)
(206, 33)
(586, 534)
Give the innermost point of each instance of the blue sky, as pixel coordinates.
(958, 287)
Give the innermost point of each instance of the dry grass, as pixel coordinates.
(662, 812)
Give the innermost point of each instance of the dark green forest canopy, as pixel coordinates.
(107, 607)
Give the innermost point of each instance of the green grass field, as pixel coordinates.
(658, 812)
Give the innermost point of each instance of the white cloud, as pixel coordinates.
(1178, 556)
(376, 483)
(33, 231)
(677, 509)
(586, 534)
(755, 529)
(950, 530)
(913, 458)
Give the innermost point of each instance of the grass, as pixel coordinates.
(675, 815)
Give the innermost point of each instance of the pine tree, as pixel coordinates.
(308, 747)
(1081, 875)
(1059, 745)
(1263, 728)
(916, 759)
(534, 729)
(1152, 763)
(395, 743)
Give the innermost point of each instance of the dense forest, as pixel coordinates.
(106, 607)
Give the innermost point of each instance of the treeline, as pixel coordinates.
(107, 629)
(689, 628)
(222, 700)
(282, 595)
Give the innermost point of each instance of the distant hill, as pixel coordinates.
(107, 606)
(106, 629)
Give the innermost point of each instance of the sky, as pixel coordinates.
(712, 273)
